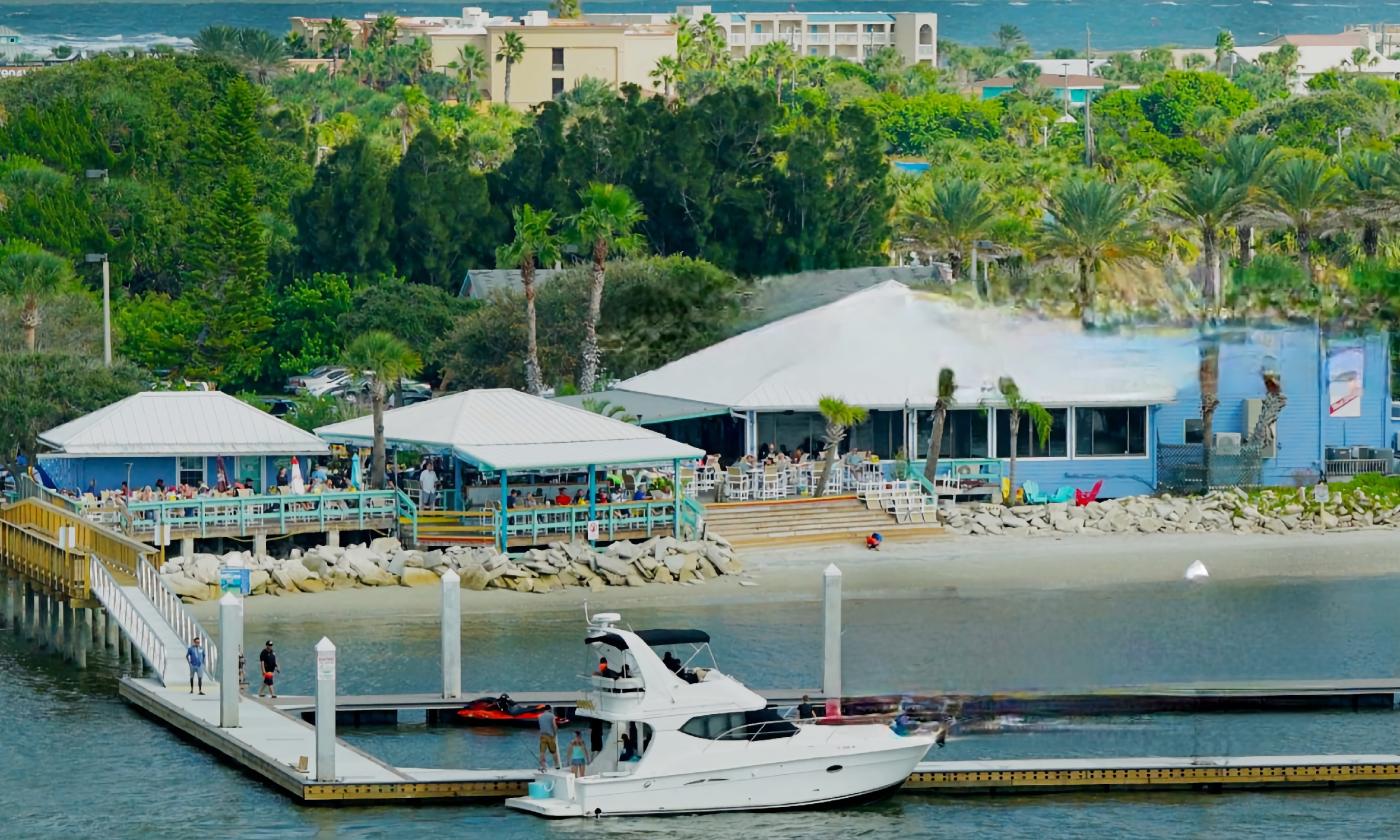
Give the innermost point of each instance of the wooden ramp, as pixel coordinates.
(786, 521)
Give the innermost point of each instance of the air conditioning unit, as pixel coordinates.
(1227, 443)
(1252, 409)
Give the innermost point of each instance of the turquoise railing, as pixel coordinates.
(566, 520)
(692, 514)
(407, 510)
(245, 515)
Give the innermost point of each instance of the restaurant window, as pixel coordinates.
(556, 87)
(1193, 430)
(556, 58)
(964, 434)
(1109, 432)
(190, 471)
(1028, 441)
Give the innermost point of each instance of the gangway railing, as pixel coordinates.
(173, 611)
(39, 558)
(118, 551)
(120, 606)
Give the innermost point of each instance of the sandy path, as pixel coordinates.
(967, 564)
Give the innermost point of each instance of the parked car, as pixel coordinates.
(297, 384)
(321, 386)
(280, 406)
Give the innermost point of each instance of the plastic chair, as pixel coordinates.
(1033, 494)
(1064, 494)
(1081, 498)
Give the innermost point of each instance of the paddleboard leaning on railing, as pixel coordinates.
(128, 617)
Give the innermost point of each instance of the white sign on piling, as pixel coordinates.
(451, 635)
(231, 638)
(831, 646)
(593, 530)
(325, 710)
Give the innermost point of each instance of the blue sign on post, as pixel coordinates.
(235, 579)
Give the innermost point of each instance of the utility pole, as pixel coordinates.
(101, 175)
(1088, 95)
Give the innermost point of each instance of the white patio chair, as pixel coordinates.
(736, 485)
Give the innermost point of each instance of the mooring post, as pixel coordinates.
(187, 547)
(114, 631)
(333, 538)
(82, 636)
(56, 609)
(231, 641)
(831, 647)
(260, 545)
(325, 710)
(451, 635)
(9, 601)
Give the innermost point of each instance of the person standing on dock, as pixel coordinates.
(549, 738)
(268, 660)
(194, 655)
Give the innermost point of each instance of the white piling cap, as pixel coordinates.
(450, 577)
(230, 600)
(325, 646)
(831, 571)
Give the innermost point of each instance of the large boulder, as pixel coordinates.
(311, 584)
(203, 568)
(187, 587)
(385, 546)
(414, 576)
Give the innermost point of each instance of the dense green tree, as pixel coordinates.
(443, 213)
(30, 403)
(156, 331)
(345, 221)
(420, 316)
(1094, 223)
(314, 305)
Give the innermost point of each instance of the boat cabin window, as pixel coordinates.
(760, 725)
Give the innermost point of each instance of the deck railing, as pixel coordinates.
(215, 515)
(120, 607)
(564, 520)
(692, 517)
(407, 513)
(173, 610)
(39, 558)
(120, 552)
(1348, 467)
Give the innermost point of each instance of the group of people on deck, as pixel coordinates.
(609, 493)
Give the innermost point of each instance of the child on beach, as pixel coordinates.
(872, 542)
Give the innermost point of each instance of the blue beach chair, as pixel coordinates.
(1032, 493)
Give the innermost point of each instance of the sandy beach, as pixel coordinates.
(969, 565)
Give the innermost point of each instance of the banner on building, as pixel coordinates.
(1344, 368)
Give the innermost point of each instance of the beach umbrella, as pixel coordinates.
(298, 486)
(44, 478)
(356, 471)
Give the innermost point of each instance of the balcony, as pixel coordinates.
(847, 38)
(926, 50)
(738, 39)
(761, 38)
(819, 39)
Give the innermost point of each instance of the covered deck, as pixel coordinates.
(519, 470)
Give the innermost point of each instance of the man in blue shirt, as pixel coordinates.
(195, 656)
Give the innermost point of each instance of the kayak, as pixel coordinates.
(501, 710)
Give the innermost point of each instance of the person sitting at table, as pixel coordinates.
(639, 495)
(580, 497)
(563, 498)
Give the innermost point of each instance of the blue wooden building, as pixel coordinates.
(178, 437)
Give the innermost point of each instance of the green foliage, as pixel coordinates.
(315, 305)
(1272, 283)
(913, 126)
(442, 211)
(418, 315)
(345, 222)
(1306, 121)
(39, 391)
(1170, 102)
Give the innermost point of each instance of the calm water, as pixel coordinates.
(78, 761)
(1117, 24)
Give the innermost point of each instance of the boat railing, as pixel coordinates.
(765, 729)
(616, 685)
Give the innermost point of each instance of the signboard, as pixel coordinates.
(325, 664)
(235, 579)
(593, 530)
(1345, 365)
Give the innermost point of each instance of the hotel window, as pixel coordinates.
(1028, 441)
(758, 28)
(190, 471)
(964, 434)
(556, 87)
(1109, 432)
(556, 59)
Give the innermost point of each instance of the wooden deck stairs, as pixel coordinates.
(828, 519)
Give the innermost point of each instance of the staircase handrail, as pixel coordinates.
(407, 506)
(173, 610)
(120, 607)
(692, 515)
(117, 550)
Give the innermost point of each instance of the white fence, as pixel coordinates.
(128, 616)
(172, 609)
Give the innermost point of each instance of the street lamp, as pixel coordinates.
(1342, 133)
(106, 306)
(101, 175)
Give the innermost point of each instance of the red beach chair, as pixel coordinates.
(1081, 498)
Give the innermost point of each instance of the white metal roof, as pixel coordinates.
(181, 423)
(499, 428)
(884, 346)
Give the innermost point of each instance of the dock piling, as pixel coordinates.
(113, 632)
(451, 635)
(831, 647)
(325, 710)
(10, 602)
(231, 640)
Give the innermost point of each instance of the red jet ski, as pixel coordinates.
(501, 710)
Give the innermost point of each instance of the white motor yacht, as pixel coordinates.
(679, 738)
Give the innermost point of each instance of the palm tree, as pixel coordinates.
(1249, 158)
(384, 359)
(1095, 223)
(840, 416)
(711, 38)
(1209, 378)
(666, 73)
(262, 53)
(1009, 37)
(410, 110)
(336, 38)
(1025, 75)
(606, 222)
(470, 66)
(777, 57)
(1224, 46)
(1208, 200)
(422, 51)
(1374, 200)
(952, 216)
(567, 9)
(31, 274)
(1303, 194)
(1041, 421)
(511, 51)
(616, 411)
(535, 243)
(947, 386)
(383, 32)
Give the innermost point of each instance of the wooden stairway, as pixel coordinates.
(828, 519)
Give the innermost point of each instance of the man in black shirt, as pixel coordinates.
(269, 669)
(805, 711)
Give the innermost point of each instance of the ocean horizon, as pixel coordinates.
(1047, 24)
